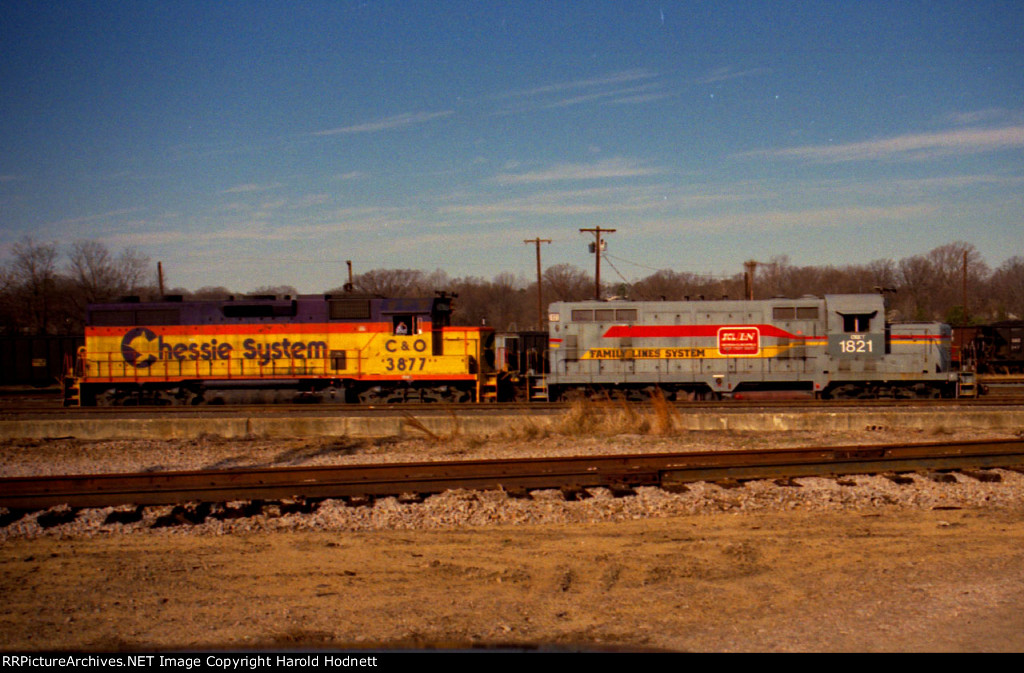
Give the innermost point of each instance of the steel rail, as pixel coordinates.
(11, 412)
(520, 474)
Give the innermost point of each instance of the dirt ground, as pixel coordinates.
(878, 580)
(823, 568)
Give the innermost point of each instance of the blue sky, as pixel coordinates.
(263, 143)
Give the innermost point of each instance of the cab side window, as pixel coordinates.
(857, 322)
(403, 325)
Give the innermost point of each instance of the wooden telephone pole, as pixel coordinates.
(597, 231)
(540, 286)
(748, 278)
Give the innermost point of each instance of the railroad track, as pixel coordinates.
(12, 411)
(571, 474)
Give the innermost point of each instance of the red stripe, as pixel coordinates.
(682, 331)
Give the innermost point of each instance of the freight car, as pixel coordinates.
(345, 348)
(35, 360)
(839, 346)
(995, 349)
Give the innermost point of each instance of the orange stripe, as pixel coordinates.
(282, 377)
(274, 328)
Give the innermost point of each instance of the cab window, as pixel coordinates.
(403, 325)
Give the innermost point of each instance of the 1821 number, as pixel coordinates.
(856, 344)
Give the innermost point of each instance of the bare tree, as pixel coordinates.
(133, 270)
(915, 299)
(507, 300)
(948, 277)
(276, 290)
(9, 322)
(882, 274)
(565, 282)
(210, 292)
(93, 270)
(1007, 289)
(391, 282)
(35, 272)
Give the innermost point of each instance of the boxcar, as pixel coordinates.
(36, 360)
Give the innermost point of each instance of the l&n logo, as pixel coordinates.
(739, 340)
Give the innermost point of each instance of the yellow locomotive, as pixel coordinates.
(345, 348)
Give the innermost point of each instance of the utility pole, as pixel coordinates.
(540, 287)
(965, 287)
(597, 248)
(748, 278)
(960, 332)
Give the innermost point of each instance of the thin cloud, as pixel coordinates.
(351, 175)
(579, 202)
(624, 87)
(250, 188)
(726, 73)
(911, 146)
(809, 219)
(388, 123)
(626, 95)
(609, 168)
(990, 116)
(612, 79)
(100, 217)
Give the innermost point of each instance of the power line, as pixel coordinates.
(717, 276)
(616, 270)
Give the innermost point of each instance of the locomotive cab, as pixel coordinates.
(871, 358)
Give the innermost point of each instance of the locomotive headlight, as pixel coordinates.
(553, 317)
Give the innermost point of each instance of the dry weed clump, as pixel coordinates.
(585, 418)
(454, 433)
(526, 430)
(607, 417)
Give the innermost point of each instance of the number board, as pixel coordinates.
(856, 345)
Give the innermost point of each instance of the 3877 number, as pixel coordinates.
(404, 364)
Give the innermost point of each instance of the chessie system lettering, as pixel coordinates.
(143, 355)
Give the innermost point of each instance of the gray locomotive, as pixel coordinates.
(839, 346)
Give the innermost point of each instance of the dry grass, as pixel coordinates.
(585, 418)
(664, 414)
(416, 424)
(588, 418)
(453, 434)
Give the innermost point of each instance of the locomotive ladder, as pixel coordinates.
(69, 383)
(537, 388)
(488, 391)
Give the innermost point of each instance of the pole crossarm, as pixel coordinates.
(597, 231)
